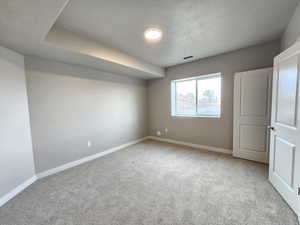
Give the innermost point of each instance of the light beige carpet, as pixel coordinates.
(153, 183)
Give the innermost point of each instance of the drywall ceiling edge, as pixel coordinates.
(76, 43)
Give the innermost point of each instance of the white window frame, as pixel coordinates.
(201, 77)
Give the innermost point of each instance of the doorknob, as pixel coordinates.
(271, 128)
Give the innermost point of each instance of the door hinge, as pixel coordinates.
(299, 191)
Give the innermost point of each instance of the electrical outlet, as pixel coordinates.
(158, 133)
(89, 143)
(166, 130)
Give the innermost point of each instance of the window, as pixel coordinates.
(197, 96)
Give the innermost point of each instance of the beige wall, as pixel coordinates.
(16, 159)
(205, 131)
(71, 105)
(292, 32)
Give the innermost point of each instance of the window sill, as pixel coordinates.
(201, 116)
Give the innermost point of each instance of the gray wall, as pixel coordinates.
(16, 159)
(292, 32)
(206, 131)
(71, 105)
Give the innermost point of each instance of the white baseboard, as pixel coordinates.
(41, 175)
(46, 173)
(86, 159)
(204, 147)
(17, 190)
(258, 156)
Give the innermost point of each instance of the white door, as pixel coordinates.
(284, 171)
(252, 104)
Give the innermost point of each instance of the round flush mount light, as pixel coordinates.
(153, 34)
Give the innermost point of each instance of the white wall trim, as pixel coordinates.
(17, 190)
(204, 147)
(41, 175)
(69, 165)
(86, 159)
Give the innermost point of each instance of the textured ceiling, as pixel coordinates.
(193, 27)
(200, 28)
(24, 25)
(108, 34)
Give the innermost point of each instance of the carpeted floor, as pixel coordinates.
(153, 183)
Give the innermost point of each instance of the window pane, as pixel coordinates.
(209, 96)
(186, 97)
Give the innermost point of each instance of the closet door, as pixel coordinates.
(252, 98)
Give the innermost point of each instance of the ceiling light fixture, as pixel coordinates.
(153, 34)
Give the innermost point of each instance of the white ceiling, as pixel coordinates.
(200, 28)
(108, 34)
(24, 25)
